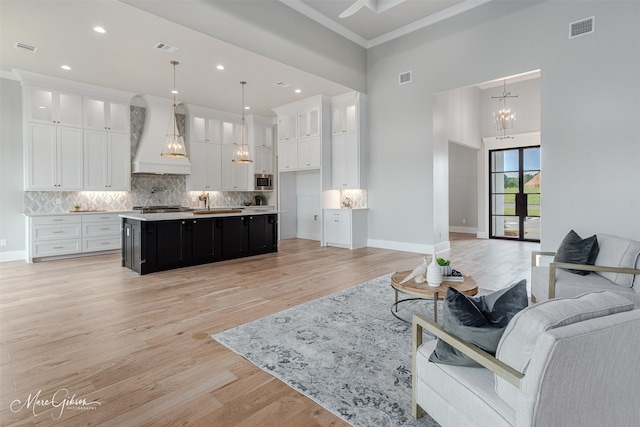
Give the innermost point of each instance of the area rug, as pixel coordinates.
(345, 351)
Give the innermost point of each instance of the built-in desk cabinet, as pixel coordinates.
(345, 228)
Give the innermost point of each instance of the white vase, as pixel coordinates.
(434, 273)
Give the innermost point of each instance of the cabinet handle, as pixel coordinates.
(104, 243)
(194, 221)
(104, 228)
(58, 232)
(58, 247)
(183, 222)
(58, 219)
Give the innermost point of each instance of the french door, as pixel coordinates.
(514, 193)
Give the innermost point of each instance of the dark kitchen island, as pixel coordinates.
(164, 241)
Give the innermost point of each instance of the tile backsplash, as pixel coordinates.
(145, 190)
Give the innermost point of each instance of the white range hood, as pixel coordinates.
(147, 158)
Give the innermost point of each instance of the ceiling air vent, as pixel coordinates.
(165, 47)
(25, 47)
(283, 84)
(405, 77)
(582, 27)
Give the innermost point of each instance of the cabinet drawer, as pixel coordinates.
(42, 249)
(100, 229)
(101, 243)
(337, 214)
(51, 232)
(57, 219)
(101, 218)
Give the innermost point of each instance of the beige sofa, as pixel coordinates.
(570, 362)
(616, 269)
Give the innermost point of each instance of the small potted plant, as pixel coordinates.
(76, 206)
(445, 266)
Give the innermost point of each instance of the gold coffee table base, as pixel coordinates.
(423, 291)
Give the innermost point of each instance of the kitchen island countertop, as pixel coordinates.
(184, 215)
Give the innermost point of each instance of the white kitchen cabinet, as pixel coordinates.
(287, 155)
(231, 133)
(346, 228)
(308, 153)
(107, 115)
(287, 127)
(309, 122)
(346, 162)
(107, 161)
(263, 162)
(235, 176)
(54, 158)
(206, 162)
(349, 141)
(344, 115)
(206, 129)
(54, 236)
(101, 232)
(73, 233)
(52, 107)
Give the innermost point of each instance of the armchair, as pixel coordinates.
(555, 362)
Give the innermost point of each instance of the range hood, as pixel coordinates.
(147, 158)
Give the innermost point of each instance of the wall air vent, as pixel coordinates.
(165, 47)
(25, 47)
(404, 77)
(283, 84)
(582, 27)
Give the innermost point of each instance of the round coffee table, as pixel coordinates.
(423, 291)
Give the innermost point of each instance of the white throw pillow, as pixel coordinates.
(617, 252)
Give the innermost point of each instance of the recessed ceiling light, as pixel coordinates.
(298, 91)
(65, 67)
(220, 67)
(99, 30)
(174, 91)
(246, 107)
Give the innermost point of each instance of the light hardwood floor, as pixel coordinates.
(133, 343)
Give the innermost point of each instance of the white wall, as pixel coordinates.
(11, 175)
(463, 189)
(589, 113)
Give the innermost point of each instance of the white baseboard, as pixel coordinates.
(458, 229)
(482, 235)
(308, 236)
(12, 256)
(409, 247)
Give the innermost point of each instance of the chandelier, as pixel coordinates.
(504, 118)
(173, 142)
(241, 151)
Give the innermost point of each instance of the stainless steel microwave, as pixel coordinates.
(264, 181)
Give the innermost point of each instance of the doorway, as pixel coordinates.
(514, 194)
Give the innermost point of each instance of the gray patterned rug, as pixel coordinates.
(345, 351)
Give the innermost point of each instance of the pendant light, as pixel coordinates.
(504, 118)
(241, 151)
(173, 142)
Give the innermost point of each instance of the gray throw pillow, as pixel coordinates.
(576, 250)
(479, 321)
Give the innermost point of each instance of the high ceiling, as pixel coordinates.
(125, 58)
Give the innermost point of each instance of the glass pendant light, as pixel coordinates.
(241, 152)
(173, 142)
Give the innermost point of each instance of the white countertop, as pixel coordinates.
(183, 215)
(97, 212)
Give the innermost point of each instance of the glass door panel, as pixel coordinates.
(515, 193)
